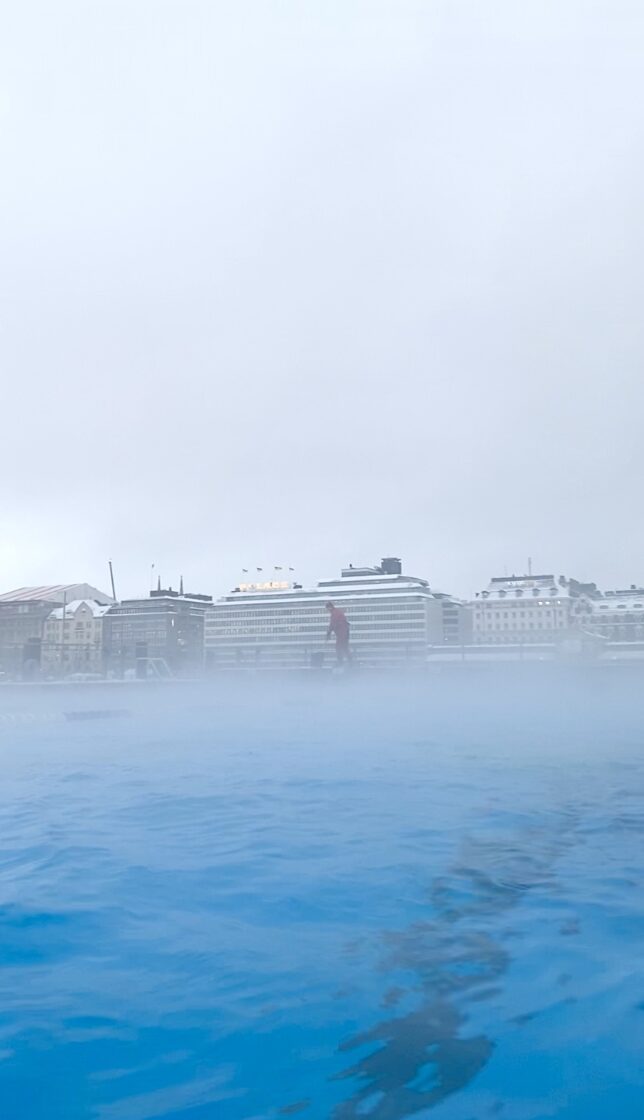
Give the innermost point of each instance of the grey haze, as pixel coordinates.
(306, 283)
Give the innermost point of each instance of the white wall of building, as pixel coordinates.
(393, 620)
(73, 638)
(618, 616)
(528, 609)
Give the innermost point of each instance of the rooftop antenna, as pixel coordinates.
(112, 580)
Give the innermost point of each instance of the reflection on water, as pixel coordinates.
(338, 904)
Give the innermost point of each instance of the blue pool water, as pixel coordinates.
(333, 901)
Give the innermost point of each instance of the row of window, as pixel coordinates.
(620, 607)
(518, 592)
(520, 608)
(491, 618)
(79, 627)
(272, 636)
(542, 624)
(374, 611)
(277, 626)
(74, 641)
(313, 618)
(625, 622)
(140, 635)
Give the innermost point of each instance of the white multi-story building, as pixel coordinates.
(531, 609)
(394, 619)
(618, 616)
(73, 638)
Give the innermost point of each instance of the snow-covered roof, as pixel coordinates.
(55, 593)
(340, 592)
(97, 610)
(369, 580)
(541, 587)
(527, 589)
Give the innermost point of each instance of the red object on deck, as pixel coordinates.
(338, 624)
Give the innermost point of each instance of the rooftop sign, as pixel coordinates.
(270, 585)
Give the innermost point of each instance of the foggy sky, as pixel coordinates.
(306, 283)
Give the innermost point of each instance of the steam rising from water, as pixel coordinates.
(327, 898)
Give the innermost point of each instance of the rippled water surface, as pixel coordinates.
(335, 901)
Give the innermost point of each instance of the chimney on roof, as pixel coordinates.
(181, 585)
(391, 566)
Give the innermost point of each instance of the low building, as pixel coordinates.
(160, 635)
(531, 609)
(23, 614)
(394, 619)
(73, 639)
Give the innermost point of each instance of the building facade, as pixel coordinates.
(393, 620)
(73, 639)
(618, 616)
(162, 635)
(539, 609)
(23, 615)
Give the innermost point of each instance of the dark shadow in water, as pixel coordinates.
(419, 1059)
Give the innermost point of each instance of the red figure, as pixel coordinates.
(339, 626)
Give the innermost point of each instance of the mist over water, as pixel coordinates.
(326, 898)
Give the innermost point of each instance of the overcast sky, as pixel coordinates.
(305, 283)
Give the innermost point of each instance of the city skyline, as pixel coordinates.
(158, 576)
(383, 617)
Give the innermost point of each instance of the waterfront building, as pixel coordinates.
(618, 616)
(23, 614)
(394, 619)
(161, 635)
(532, 609)
(73, 638)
